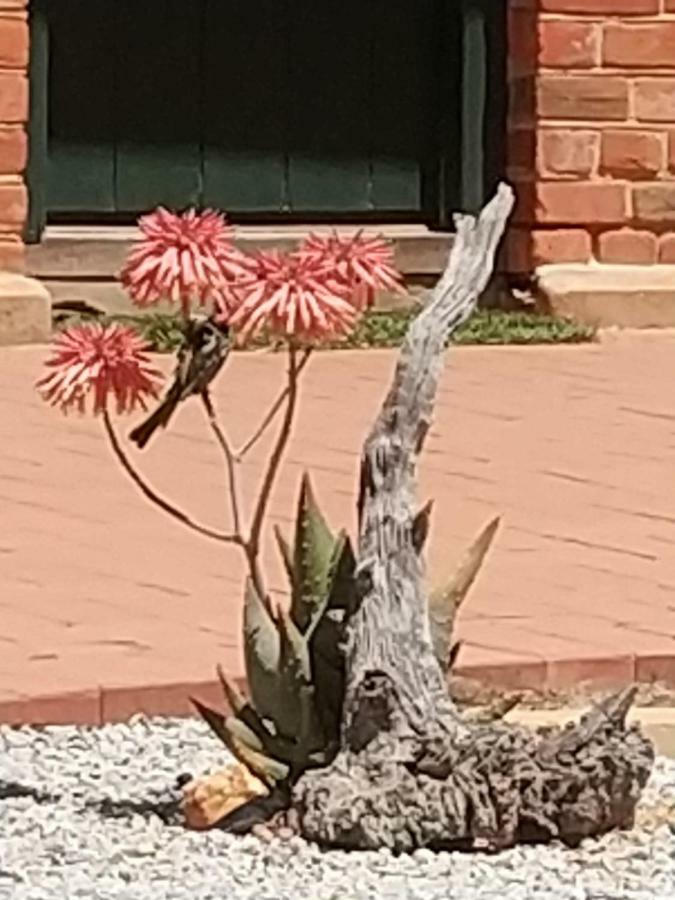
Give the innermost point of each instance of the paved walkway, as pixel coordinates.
(107, 607)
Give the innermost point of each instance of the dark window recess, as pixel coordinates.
(274, 110)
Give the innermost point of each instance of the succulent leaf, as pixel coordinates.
(342, 575)
(420, 527)
(240, 730)
(245, 746)
(214, 719)
(286, 555)
(294, 653)
(294, 658)
(453, 654)
(296, 692)
(311, 557)
(243, 709)
(325, 639)
(242, 743)
(235, 699)
(329, 680)
(444, 602)
(262, 650)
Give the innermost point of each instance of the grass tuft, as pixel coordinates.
(380, 328)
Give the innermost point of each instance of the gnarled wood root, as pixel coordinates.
(491, 788)
(411, 770)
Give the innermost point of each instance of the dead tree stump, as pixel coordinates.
(410, 771)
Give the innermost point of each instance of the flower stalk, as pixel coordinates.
(154, 497)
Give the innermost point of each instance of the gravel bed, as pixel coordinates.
(61, 840)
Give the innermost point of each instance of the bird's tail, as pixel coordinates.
(157, 419)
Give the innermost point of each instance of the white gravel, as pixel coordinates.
(60, 849)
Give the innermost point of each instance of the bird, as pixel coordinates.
(201, 356)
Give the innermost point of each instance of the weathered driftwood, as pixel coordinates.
(411, 771)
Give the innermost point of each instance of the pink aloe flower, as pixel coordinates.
(97, 361)
(184, 257)
(366, 263)
(296, 296)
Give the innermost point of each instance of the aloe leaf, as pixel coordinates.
(286, 555)
(420, 527)
(262, 649)
(242, 732)
(296, 692)
(242, 743)
(445, 601)
(326, 636)
(311, 557)
(294, 653)
(235, 699)
(241, 706)
(214, 719)
(453, 654)
(341, 575)
(246, 748)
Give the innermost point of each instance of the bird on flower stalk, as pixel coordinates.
(201, 356)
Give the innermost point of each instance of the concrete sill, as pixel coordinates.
(69, 253)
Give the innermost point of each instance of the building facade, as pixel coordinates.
(572, 100)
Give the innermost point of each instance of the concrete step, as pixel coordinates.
(74, 253)
(610, 295)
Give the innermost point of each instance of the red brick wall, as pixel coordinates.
(592, 131)
(13, 115)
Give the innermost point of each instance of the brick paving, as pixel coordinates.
(107, 607)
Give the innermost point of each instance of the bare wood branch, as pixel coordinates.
(390, 632)
(495, 710)
(155, 498)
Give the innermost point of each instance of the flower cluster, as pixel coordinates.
(93, 361)
(294, 297)
(311, 294)
(317, 291)
(184, 258)
(364, 263)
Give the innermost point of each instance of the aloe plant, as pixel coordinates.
(293, 658)
(294, 661)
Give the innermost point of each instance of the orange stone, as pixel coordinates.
(209, 799)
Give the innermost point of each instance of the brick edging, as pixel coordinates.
(102, 705)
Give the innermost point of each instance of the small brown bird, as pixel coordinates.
(200, 357)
